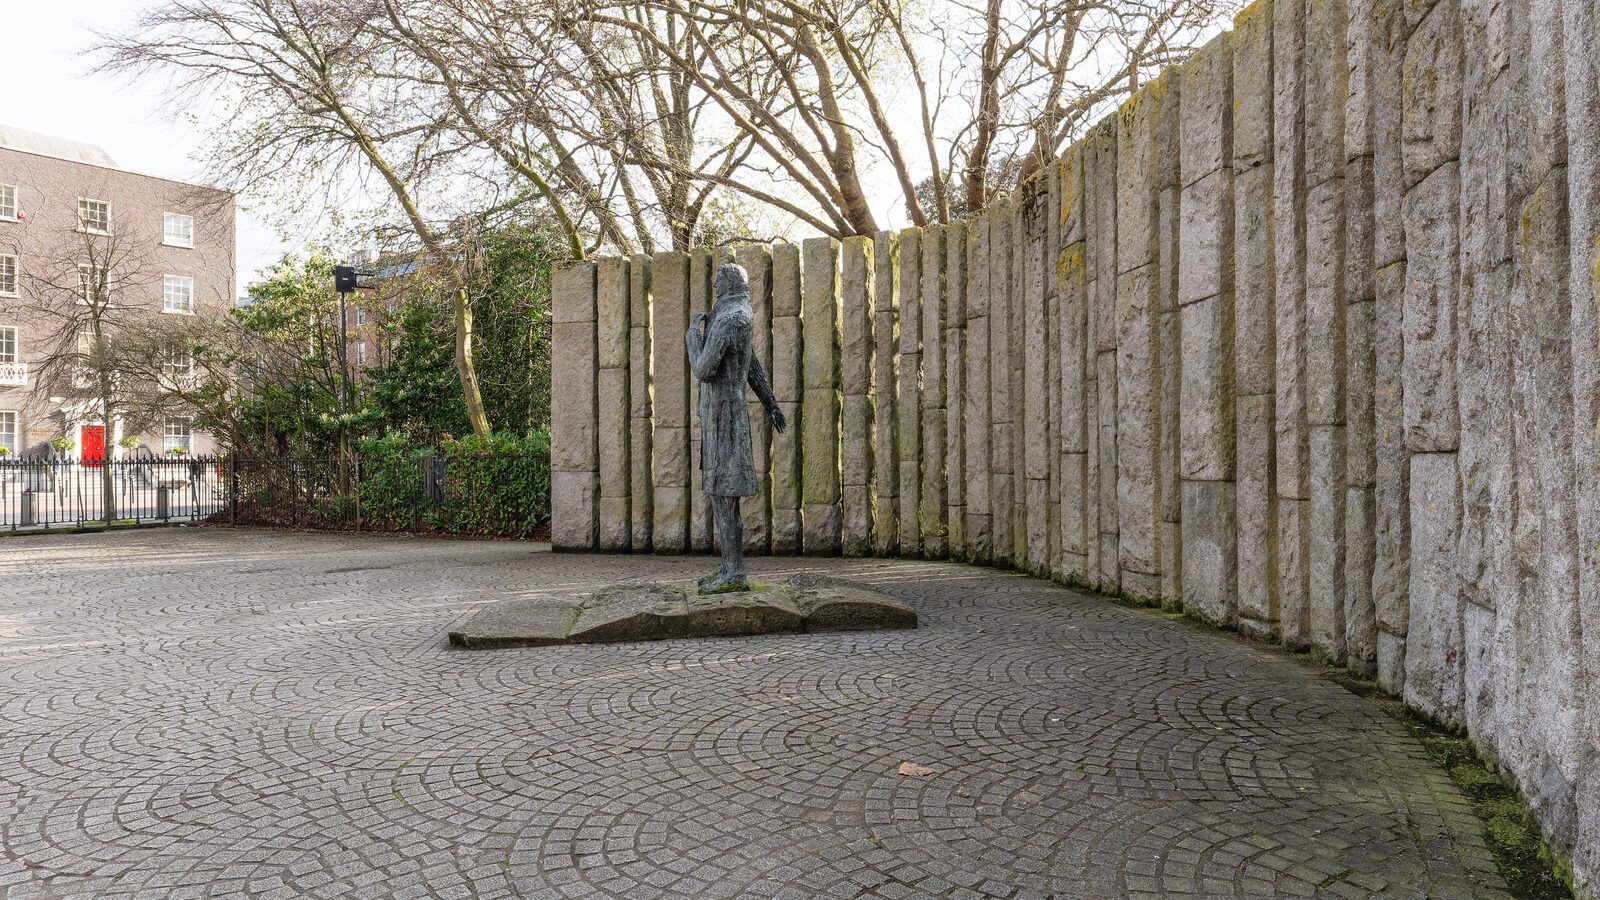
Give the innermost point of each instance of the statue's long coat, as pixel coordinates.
(724, 361)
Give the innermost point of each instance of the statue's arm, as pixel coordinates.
(759, 384)
(705, 353)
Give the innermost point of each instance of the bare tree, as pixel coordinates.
(999, 85)
(586, 118)
(103, 344)
(316, 95)
(624, 119)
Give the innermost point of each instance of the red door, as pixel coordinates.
(92, 445)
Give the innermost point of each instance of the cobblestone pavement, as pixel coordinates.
(204, 712)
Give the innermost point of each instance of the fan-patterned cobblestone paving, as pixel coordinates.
(203, 712)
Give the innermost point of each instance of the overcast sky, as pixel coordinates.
(51, 90)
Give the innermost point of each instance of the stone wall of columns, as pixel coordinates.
(1302, 341)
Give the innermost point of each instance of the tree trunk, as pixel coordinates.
(108, 484)
(465, 367)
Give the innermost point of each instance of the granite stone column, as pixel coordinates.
(1206, 294)
(978, 405)
(1391, 494)
(885, 387)
(786, 377)
(702, 534)
(820, 507)
(1072, 293)
(1134, 324)
(614, 420)
(1431, 101)
(1326, 70)
(934, 493)
(574, 450)
(856, 372)
(1255, 325)
(955, 390)
(669, 368)
(908, 400)
(641, 489)
(757, 511)
(1002, 247)
(1292, 450)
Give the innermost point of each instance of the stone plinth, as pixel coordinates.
(652, 611)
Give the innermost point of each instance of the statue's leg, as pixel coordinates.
(730, 535)
(721, 573)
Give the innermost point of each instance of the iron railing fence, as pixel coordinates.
(389, 493)
(44, 492)
(338, 493)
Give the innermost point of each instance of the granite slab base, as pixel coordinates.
(653, 611)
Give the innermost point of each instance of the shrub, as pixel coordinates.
(393, 489)
(497, 485)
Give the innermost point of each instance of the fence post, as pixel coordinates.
(233, 488)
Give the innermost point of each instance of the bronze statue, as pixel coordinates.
(723, 359)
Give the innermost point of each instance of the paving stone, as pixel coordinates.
(230, 711)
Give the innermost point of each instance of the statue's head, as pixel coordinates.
(731, 279)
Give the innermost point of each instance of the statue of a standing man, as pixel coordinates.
(723, 359)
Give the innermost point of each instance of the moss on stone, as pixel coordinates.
(1531, 869)
(1254, 10)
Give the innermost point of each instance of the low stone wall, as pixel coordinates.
(1302, 340)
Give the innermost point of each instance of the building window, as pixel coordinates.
(178, 231)
(177, 360)
(13, 371)
(361, 317)
(94, 216)
(8, 202)
(361, 354)
(177, 434)
(8, 275)
(85, 283)
(177, 294)
(8, 431)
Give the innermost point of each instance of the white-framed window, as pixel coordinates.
(13, 371)
(177, 434)
(85, 282)
(177, 294)
(177, 359)
(177, 230)
(361, 317)
(8, 430)
(361, 354)
(94, 216)
(8, 202)
(8, 275)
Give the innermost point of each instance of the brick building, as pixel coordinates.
(55, 196)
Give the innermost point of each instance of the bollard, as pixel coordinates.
(163, 508)
(30, 509)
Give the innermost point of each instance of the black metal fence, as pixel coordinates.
(389, 492)
(337, 494)
(39, 492)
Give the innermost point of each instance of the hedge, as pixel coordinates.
(497, 485)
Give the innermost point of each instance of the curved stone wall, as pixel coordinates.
(1302, 340)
